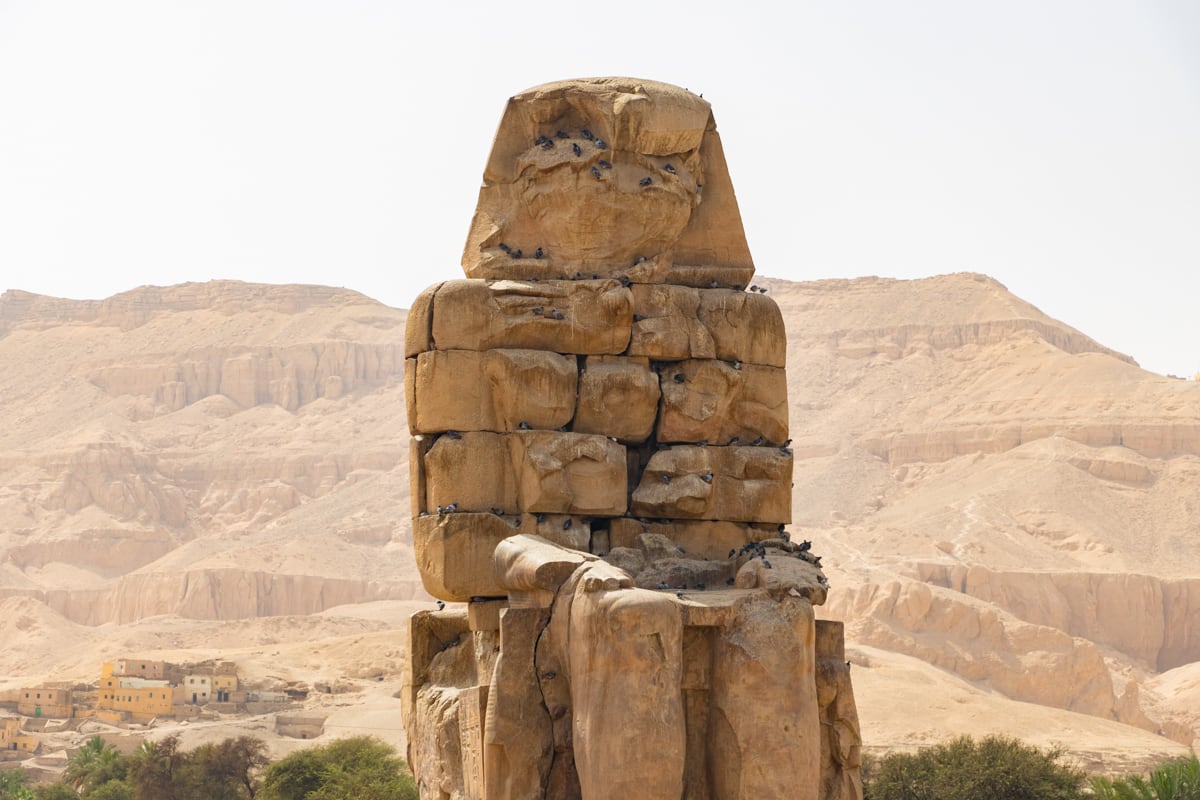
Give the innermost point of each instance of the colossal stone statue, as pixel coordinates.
(600, 472)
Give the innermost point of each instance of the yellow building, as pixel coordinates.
(42, 701)
(138, 696)
(141, 668)
(223, 687)
(11, 737)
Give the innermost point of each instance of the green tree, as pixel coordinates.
(160, 771)
(94, 764)
(54, 791)
(361, 767)
(229, 770)
(1174, 780)
(996, 768)
(113, 790)
(14, 785)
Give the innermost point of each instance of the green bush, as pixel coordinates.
(360, 767)
(995, 768)
(1174, 780)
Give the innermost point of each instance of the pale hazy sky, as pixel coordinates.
(1054, 145)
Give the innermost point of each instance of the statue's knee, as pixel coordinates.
(638, 612)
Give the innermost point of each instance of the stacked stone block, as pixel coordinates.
(589, 412)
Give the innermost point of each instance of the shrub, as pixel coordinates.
(361, 767)
(996, 768)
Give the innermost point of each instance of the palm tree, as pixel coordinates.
(1174, 780)
(95, 763)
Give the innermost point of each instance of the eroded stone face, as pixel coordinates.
(740, 484)
(613, 177)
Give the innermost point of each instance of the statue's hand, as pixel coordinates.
(785, 574)
(601, 576)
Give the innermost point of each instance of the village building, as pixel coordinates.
(13, 740)
(195, 689)
(140, 668)
(45, 701)
(140, 697)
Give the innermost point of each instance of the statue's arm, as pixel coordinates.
(527, 563)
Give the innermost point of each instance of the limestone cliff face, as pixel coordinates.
(206, 450)
(1001, 496)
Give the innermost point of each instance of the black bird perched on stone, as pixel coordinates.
(816, 561)
(700, 586)
(670, 168)
(766, 563)
(787, 537)
(786, 443)
(596, 173)
(679, 595)
(536, 310)
(423, 514)
(561, 134)
(626, 282)
(454, 434)
(729, 581)
(665, 478)
(736, 364)
(556, 314)
(516, 253)
(640, 260)
(787, 451)
(679, 377)
(732, 553)
(497, 511)
(754, 287)
(604, 164)
(523, 425)
(663, 585)
(601, 144)
(547, 143)
(539, 518)
(567, 524)
(702, 443)
(707, 477)
(645, 182)
(805, 546)
(762, 290)
(757, 441)
(441, 605)
(505, 247)
(538, 253)
(450, 509)
(585, 133)
(821, 580)
(734, 440)
(575, 149)
(713, 284)
(679, 547)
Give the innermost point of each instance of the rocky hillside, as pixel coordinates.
(213, 451)
(999, 496)
(1007, 510)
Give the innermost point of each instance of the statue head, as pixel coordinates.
(612, 177)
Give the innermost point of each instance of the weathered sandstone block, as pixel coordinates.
(618, 397)
(454, 554)
(534, 471)
(698, 538)
(674, 323)
(743, 484)
(585, 317)
(716, 402)
(489, 390)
